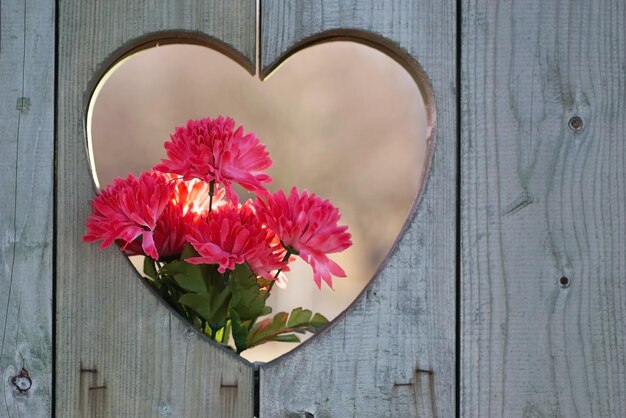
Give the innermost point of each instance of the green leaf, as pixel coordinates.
(212, 307)
(149, 268)
(186, 277)
(299, 316)
(263, 282)
(274, 329)
(197, 278)
(192, 281)
(289, 338)
(240, 331)
(227, 329)
(318, 322)
(248, 298)
(188, 251)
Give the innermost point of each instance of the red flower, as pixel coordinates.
(170, 234)
(306, 225)
(187, 205)
(213, 150)
(129, 209)
(233, 235)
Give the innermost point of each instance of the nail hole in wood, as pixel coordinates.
(575, 123)
(564, 281)
(165, 409)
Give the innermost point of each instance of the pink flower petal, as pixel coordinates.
(213, 150)
(306, 224)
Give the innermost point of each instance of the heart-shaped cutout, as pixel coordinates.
(341, 119)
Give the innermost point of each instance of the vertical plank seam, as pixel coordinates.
(457, 316)
(257, 40)
(55, 110)
(256, 399)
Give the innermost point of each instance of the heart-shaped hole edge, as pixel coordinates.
(380, 43)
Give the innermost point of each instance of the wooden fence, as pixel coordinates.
(505, 296)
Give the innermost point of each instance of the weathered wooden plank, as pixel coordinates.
(27, 150)
(138, 358)
(365, 364)
(543, 200)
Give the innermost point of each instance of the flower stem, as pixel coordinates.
(211, 193)
(285, 259)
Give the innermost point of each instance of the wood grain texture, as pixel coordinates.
(540, 201)
(364, 364)
(120, 351)
(26, 187)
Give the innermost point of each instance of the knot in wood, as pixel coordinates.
(22, 381)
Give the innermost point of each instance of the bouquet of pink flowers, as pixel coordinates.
(213, 259)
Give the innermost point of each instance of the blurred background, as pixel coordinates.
(340, 119)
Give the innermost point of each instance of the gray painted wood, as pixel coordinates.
(120, 351)
(26, 164)
(364, 364)
(541, 201)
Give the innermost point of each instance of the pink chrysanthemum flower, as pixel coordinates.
(170, 234)
(307, 226)
(129, 209)
(187, 205)
(213, 150)
(233, 235)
